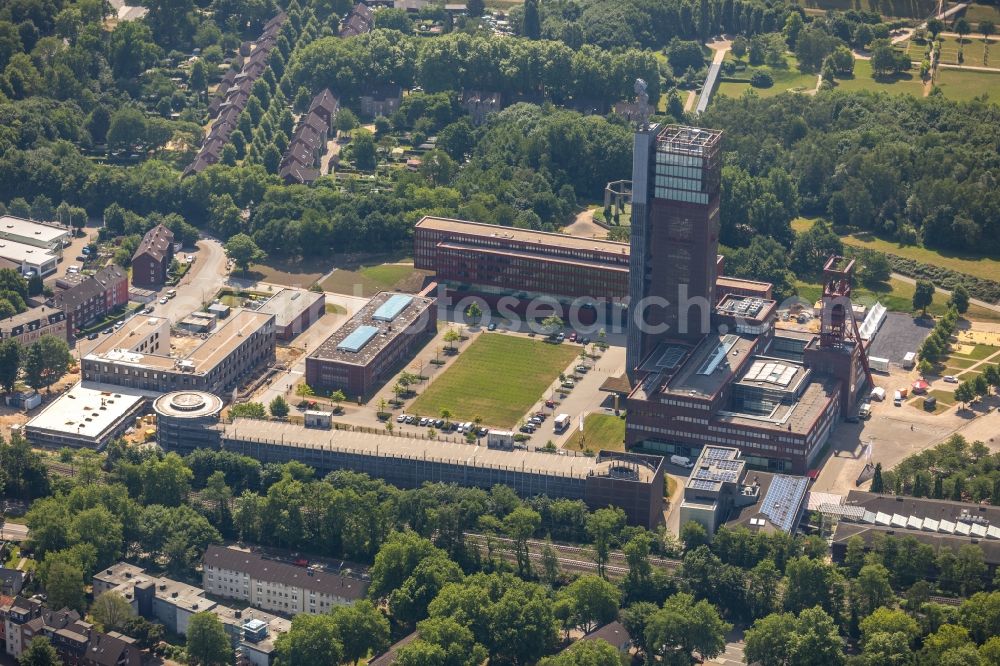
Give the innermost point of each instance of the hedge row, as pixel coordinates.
(979, 288)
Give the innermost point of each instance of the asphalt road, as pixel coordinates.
(199, 286)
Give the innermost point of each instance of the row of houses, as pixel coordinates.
(233, 94)
(77, 641)
(308, 144)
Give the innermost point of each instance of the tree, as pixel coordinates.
(346, 120)
(923, 295)
(873, 588)
(278, 407)
(11, 355)
(586, 653)
(46, 361)
(532, 23)
(396, 560)
(313, 640)
(935, 26)
(890, 621)
(451, 336)
(473, 313)
(603, 526)
(594, 601)
(963, 28)
(683, 626)
(987, 28)
(199, 77)
(782, 638)
(363, 147)
(362, 629)
(553, 324)
(959, 299)
(878, 485)
(247, 410)
(244, 251)
(519, 525)
(207, 642)
(693, 534)
(62, 576)
(39, 653)
(111, 611)
(475, 8)
(443, 642)
(127, 128)
(814, 247)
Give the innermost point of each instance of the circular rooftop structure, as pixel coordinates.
(188, 404)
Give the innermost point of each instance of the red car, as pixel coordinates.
(572, 336)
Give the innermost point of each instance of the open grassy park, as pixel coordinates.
(497, 378)
(907, 83)
(600, 432)
(369, 279)
(964, 85)
(785, 79)
(894, 8)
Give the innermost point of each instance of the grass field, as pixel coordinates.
(977, 265)
(897, 8)
(976, 13)
(981, 352)
(897, 296)
(369, 280)
(785, 79)
(497, 377)
(908, 83)
(973, 50)
(600, 432)
(964, 85)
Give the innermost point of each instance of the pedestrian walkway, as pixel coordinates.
(712, 78)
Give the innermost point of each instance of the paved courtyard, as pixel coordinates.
(899, 334)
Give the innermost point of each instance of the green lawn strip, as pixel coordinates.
(979, 352)
(387, 274)
(600, 432)
(907, 83)
(972, 49)
(964, 85)
(947, 397)
(959, 363)
(976, 13)
(785, 79)
(897, 8)
(976, 265)
(343, 281)
(968, 374)
(498, 378)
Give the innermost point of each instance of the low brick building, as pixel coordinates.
(373, 344)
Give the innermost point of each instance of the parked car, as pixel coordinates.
(107, 330)
(568, 384)
(401, 418)
(550, 404)
(581, 368)
(424, 421)
(81, 257)
(439, 423)
(527, 428)
(163, 300)
(585, 340)
(950, 379)
(572, 336)
(560, 337)
(92, 336)
(491, 327)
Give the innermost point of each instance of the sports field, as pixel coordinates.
(497, 378)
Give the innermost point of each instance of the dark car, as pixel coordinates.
(491, 327)
(108, 330)
(92, 336)
(82, 257)
(585, 340)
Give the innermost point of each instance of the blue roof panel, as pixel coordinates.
(392, 307)
(357, 340)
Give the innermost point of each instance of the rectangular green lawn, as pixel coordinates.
(973, 51)
(964, 85)
(897, 8)
(976, 13)
(498, 377)
(785, 79)
(908, 83)
(601, 432)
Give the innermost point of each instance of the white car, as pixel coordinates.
(950, 379)
(400, 418)
(163, 299)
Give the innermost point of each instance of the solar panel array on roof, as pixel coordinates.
(729, 464)
(719, 453)
(392, 307)
(719, 355)
(670, 357)
(743, 307)
(358, 338)
(772, 373)
(784, 499)
(702, 484)
(725, 476)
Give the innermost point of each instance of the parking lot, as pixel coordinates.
(899, 334)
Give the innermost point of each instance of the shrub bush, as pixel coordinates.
(761, 79)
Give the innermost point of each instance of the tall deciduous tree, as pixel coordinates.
(923, 295)
(46, 361)
(207, 642)
(11, 354)
(244, 251)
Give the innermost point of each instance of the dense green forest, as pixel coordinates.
(162, 511)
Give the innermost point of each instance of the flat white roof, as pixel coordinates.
(42, 233)
(87, 411)
(23, 253)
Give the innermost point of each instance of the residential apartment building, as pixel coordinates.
(276, 586)
(93, 297)
(151, 261)
(32, 324)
